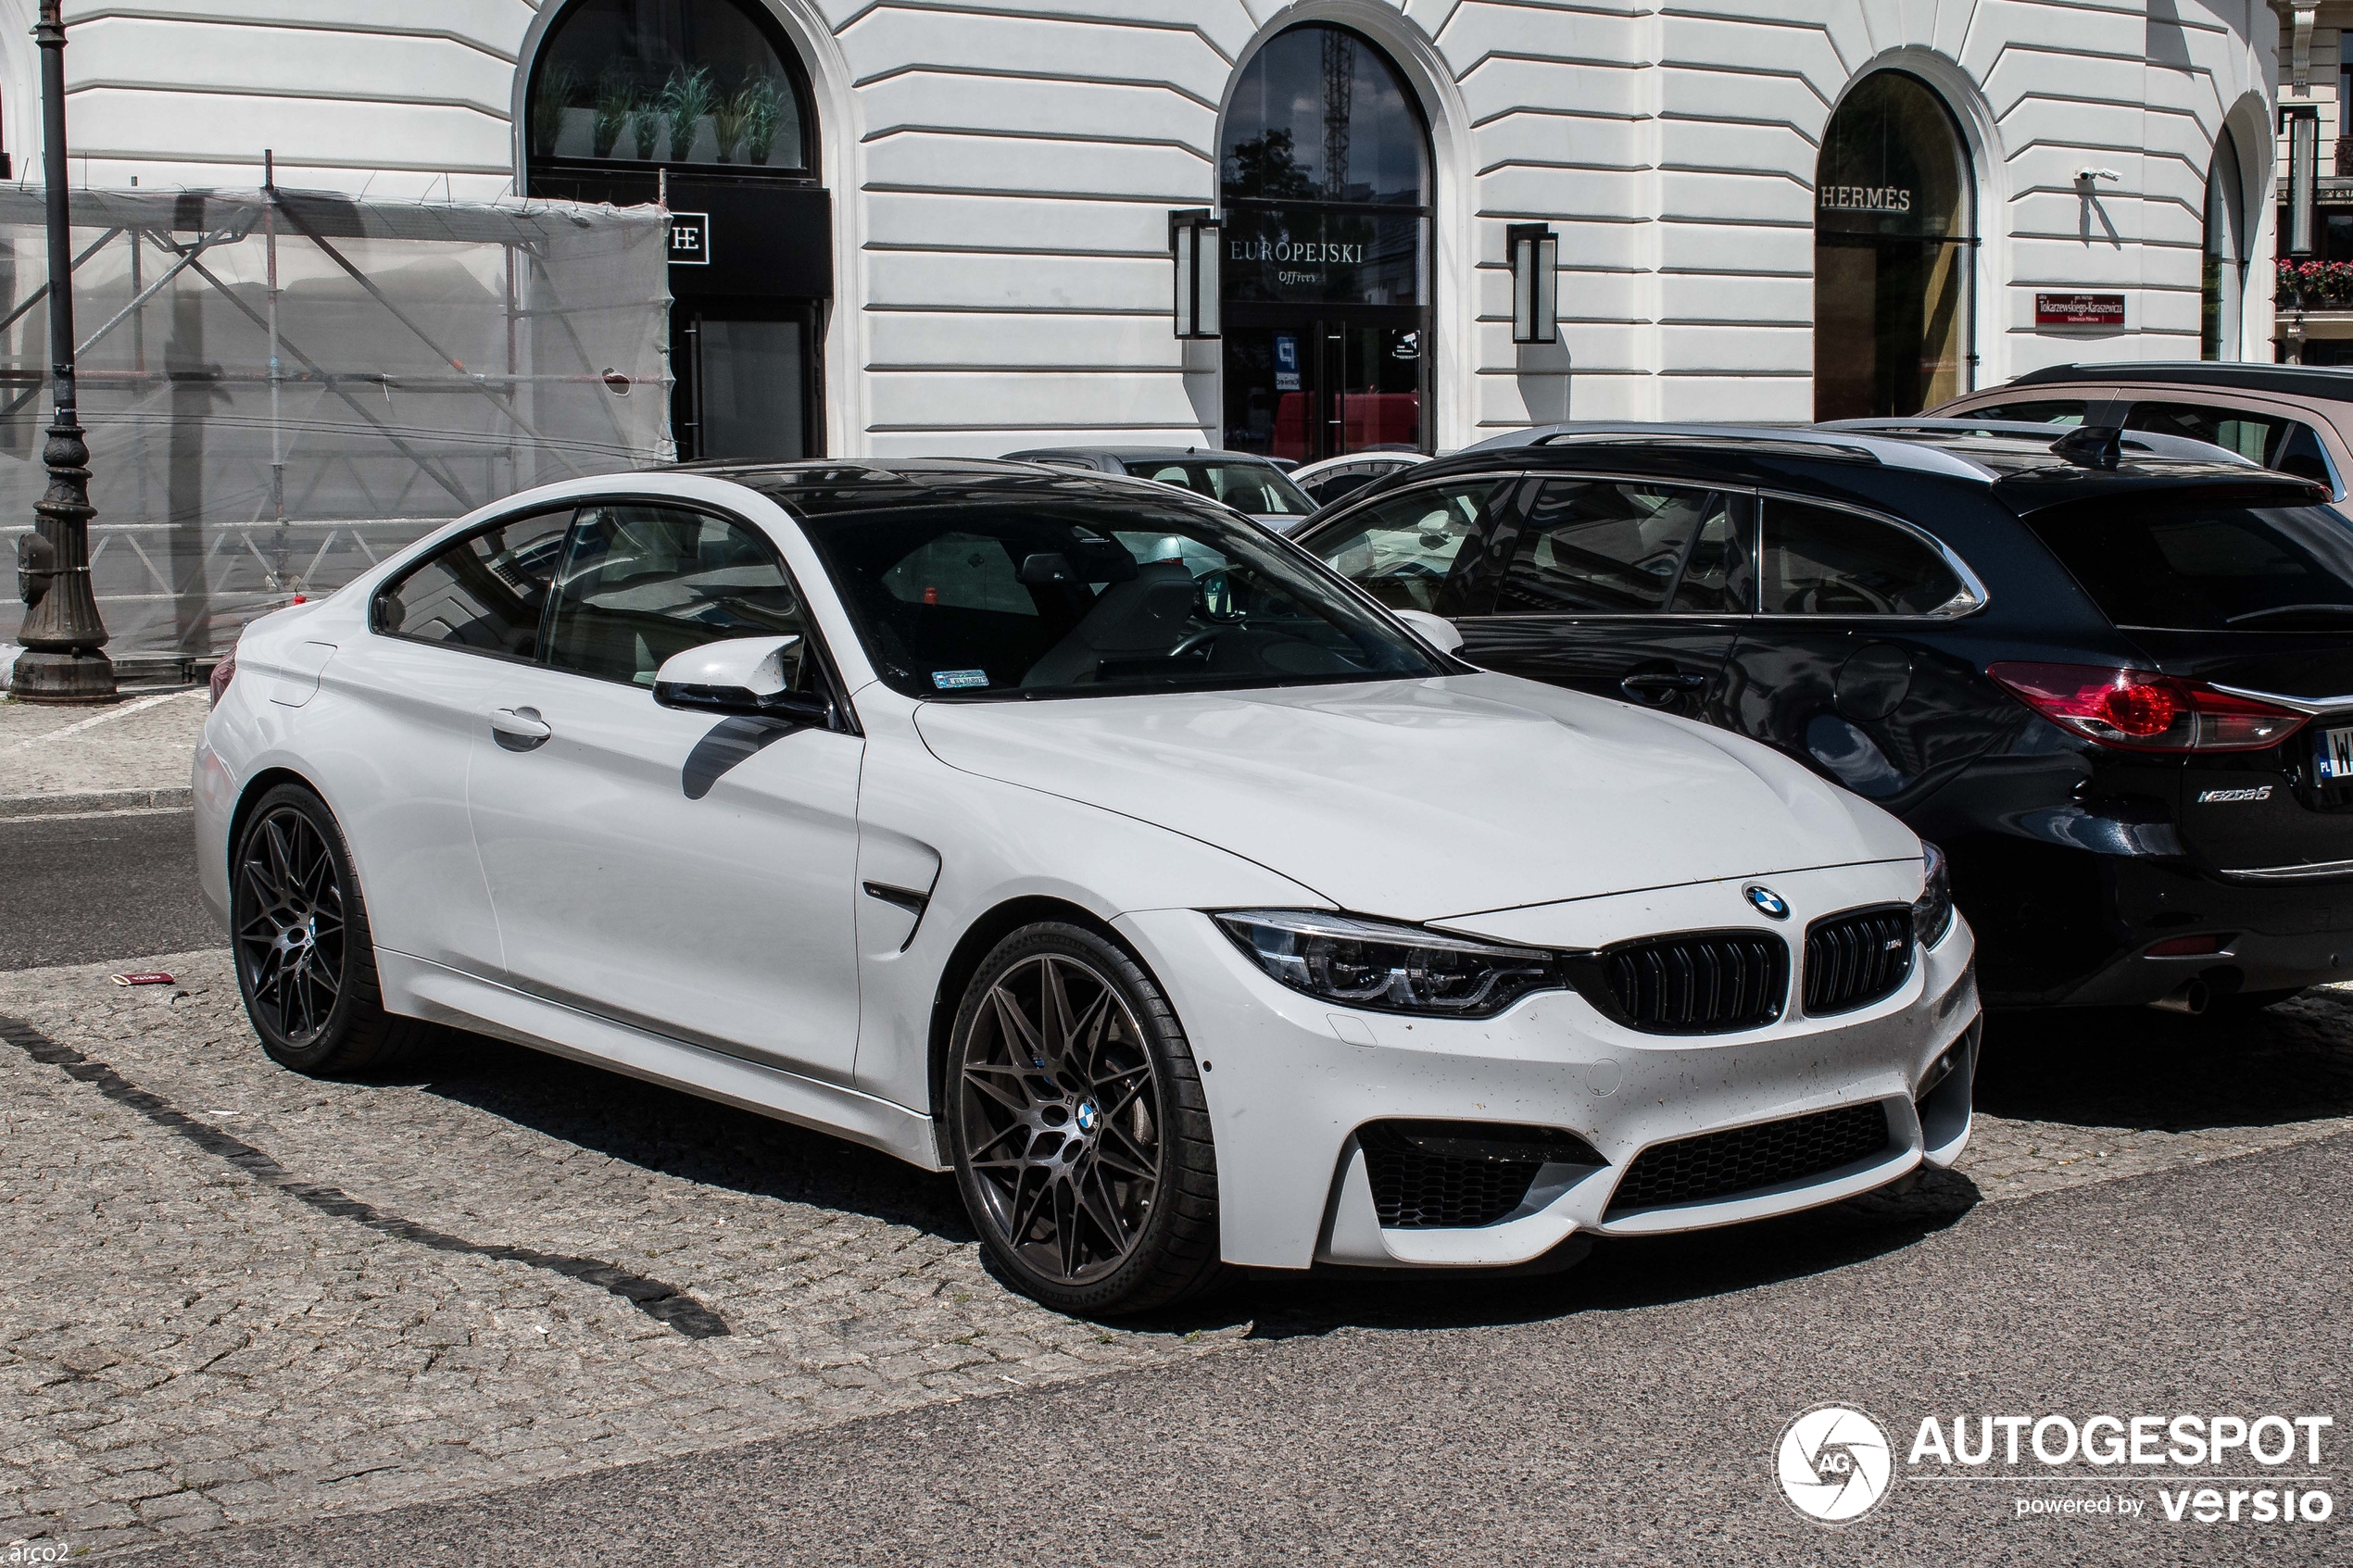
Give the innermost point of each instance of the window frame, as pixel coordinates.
(844, 720)
(1972, 598)
(1507, 513)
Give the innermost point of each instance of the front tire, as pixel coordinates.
(1080, 1133)
(306, 963)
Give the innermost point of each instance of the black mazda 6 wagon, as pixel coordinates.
(2112, 679)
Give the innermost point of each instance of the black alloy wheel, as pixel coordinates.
(290, 926)
(1081, 1135)
(305, 963)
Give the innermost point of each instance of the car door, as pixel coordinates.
(1629, 588)
(690, 876)
(1845, 665)
(446, 636)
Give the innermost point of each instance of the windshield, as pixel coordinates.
(1260, 489)
(2207, 568)
(1036, 597)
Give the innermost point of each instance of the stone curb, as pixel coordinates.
(96, 800)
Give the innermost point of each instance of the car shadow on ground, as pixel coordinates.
(685, 1135)
(714, 1144)
(2150, 1069)
(1621, 1274)
(2139, 1068)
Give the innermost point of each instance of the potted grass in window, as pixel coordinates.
(615, 96)
(645, 124)
(558, 87)
(762, 105)
(729, 115)
(687, 100)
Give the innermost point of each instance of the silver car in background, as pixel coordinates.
(1249, 484)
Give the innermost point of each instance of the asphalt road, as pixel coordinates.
(85, 889)
(1625, 1413)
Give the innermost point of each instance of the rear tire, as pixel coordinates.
(299, 933)
(1080, 1134)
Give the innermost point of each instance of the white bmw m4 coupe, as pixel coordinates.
(1090, 843)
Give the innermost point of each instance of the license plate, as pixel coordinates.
(2334, 750)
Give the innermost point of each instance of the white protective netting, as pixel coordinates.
(431, 357)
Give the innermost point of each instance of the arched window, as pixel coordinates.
(2222, 284)
(1324, 174)
(706, 83)
(1895, 246)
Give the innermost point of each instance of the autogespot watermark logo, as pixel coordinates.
(1834, 1464)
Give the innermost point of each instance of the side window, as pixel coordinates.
(639, 584)
(2303, 456)
(486, 591)
(1606, 547)
(1400, 550)
(2258, 437)
(1819, 560)
(2047, 411)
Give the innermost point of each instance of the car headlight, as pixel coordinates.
(1933, 910)
(1389, 967)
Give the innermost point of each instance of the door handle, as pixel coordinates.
(1657, 686)
(519, 729)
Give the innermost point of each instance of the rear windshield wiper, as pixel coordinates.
(2277, 611)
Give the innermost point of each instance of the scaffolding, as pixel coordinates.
(282, 385)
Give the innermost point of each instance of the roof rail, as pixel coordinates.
(1795, 441)
(2150, 441)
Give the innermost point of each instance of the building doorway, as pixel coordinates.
(706, 99)
(746, 370)
(1325, 183)
(1895, 248)
(2222, 278)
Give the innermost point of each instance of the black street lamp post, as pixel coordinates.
(64, 641)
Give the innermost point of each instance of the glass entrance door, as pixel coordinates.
(1303, 387)
(1894, 247)
(1325, 278)
(743, 370)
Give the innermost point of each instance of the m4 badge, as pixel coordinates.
(2231, 796)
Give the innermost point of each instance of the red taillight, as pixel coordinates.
(2189, 946)
(2142, 710)
(222, 674)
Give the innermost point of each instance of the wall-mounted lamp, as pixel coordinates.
(1193, 241)
(2302, 123)
(1535, 252)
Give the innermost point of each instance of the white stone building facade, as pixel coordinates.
(992, 186)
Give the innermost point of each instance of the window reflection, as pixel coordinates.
(1320, 115)
(689, 82)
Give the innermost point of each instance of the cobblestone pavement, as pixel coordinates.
(240, 1296)
(56, 759)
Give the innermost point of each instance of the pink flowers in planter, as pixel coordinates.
(2316, 286)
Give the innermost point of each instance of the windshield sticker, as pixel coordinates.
(957, 680)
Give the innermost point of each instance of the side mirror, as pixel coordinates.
(1434, 630)
(743, 677)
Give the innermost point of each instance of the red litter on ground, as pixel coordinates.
(156, 979)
